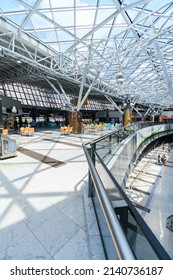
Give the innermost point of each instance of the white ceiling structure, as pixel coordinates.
(114, 48)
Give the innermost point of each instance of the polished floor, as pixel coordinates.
(44, 209)
(45, 212)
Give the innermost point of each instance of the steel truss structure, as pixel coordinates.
(104, 48)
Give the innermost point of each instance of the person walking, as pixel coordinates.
(159, 159)
(164, 159)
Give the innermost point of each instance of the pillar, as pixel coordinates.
(160, 118)
(75, 120)
(47, 117)
(152, 118)
(127, 117)
(1, 117)
(93, 115)
(20, 121)
(66, 116)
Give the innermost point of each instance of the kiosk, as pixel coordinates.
(7, 147)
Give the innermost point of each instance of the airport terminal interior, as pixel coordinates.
(86, 130)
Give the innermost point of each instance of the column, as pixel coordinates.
(20, 121)
(127, 117)
(66, 115)
(1, 117)
(75, 120)
(160, 118)
(152, 118)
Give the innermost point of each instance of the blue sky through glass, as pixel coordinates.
(10, 5)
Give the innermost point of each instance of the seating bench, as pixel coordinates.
(27, 131)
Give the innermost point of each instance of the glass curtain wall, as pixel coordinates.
(35, 96)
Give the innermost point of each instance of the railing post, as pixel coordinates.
(110, 144)
(118, 137)
(121, 209)
(91, 189)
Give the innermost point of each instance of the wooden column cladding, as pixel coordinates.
(75, 120)
(152, 118)
(160, 118)
(127, 118)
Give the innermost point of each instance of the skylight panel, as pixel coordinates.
(80, 32)
(85, 17)
(57, 3)
(118, 31)
(28, 25)
(29, 2)
(106, 2)
(62, 36)
(129, 2)
(103, 14)
(133, 14)
(40, 22)
(17, 19)
(101, 33)
(168, 24)
(64, 18)
(44, 4)
(86, 2)
(11, 5)
(47, 36)
(156, 5)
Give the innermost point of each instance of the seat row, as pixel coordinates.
(5, 131)
(24, 131)
(66, 129)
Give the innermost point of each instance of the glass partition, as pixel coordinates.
(139, 237)
(7, 147)
(106, 146)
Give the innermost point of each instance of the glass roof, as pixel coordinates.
(101, 40)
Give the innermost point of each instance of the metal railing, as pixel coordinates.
(123, 249)
(130, 235)
(107, 144)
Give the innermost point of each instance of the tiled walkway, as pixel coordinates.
(44, 209)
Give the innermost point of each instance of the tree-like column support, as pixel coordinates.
(75, 120)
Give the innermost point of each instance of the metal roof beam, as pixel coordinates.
(113, 15)
(164, 68)
(114, 104)
(137, 112)
(61, 95)
(81, 87)
(63, 92)
(32, 11)
(88, 91)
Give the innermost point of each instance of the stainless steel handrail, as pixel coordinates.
(123, 249)
(143, 227)
(123, 129)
